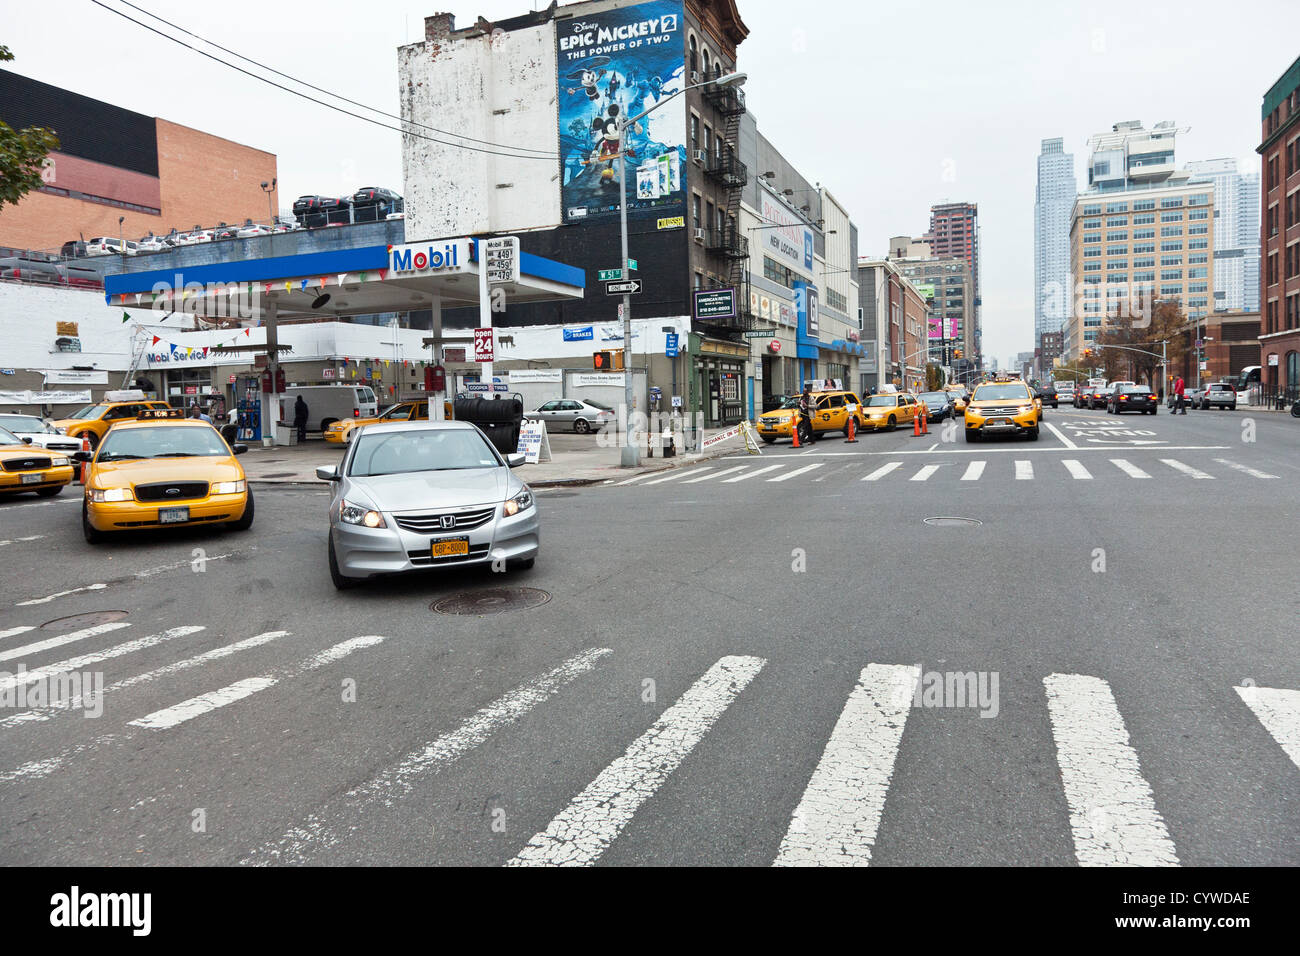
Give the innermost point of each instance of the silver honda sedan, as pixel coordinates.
(413, 495)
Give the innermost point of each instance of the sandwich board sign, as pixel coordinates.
(534, 444)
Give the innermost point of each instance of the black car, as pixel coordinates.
(372, 204)
(938, 405)
(1048, 394)
(1100, 397)
(1132, 398)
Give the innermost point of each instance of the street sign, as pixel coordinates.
(501, 260)
(608, 275)
(670, 346)
(483, 351)
(630, 287)
(761, 334)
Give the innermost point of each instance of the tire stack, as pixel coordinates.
(499, 419)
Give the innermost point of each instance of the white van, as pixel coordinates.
(327, 404)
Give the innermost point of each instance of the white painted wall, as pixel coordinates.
(29, 317)
(500, 89)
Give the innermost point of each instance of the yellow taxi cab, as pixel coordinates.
(340, 432)
(25, 467)
(163, 471)
(93, 421)
(1002, 408)
(886, 411)
(830, 413)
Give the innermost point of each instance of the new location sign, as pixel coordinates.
(483, 350)
(630, 287)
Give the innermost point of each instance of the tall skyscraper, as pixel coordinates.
(1236, 233)
(1052, 206)
(954, 231)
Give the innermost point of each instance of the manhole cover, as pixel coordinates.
(77, 621)
(491, 601)
(944, 521)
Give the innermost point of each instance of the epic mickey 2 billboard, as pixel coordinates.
(614, 65)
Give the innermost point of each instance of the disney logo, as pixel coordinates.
(579, 26)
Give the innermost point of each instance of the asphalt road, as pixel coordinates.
(688, 695)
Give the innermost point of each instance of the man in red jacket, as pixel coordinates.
(1180, 393)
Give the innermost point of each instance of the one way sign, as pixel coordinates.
(630, 287)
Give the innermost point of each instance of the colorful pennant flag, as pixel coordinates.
(126, 317)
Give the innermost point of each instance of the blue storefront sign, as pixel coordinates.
(578, 335)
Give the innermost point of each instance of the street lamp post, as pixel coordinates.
(631, 455)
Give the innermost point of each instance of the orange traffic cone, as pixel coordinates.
(925, 421)
(853, 429)
(794, 429)
(916, 426)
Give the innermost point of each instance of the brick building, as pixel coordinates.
(1279, 149)
(113, 163)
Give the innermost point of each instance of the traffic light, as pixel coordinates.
(956, 353)
(603, 361)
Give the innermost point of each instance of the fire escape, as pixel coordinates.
(723, 166)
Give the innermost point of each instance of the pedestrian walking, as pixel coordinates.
(300, 418)
(804, 424)
(1180, 397)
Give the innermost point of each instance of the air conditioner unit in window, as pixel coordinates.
(699, 155)
(699, 235)
(695, 76)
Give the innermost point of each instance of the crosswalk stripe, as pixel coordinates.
(1133, 471)
(636, 478)
(295, 845)
(32, 537)
(58, 594)
(750, 474)
(1024, 470)
(76, 663)
(13, 631)
(794, 474)
(924, 473)
(678, 473)
(716, 474)
(186, 710)
(837, 818)
(1188, 470)
(1253, 472)
(1076, 469)
(882, 471)
(1279, 712)
(581, 832)
(973, 471)
(1113, 814)
(61, 640)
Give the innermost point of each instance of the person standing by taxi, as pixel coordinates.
(300, 418)
(804, 425)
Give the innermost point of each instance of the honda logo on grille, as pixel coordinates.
(448, 521)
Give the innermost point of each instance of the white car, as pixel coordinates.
(394, 216)
(252, 229)
(40, 432)
(153, 244)
(106, 246)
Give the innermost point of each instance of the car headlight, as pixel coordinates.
(1024, 408)
(358, 514)
(59, 462)
(61, 431)
(230, 487)
(520, 502)
(110, 494)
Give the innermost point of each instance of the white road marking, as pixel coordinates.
(62, 639)
(680, 473)
(1133, 471)
(973, 471)
(76, 663)
(837, 818)
(925, 473)
(715, 474)
(1024, 470)
(1188, 470)
(1076, 469)
(30, 537)
(882, 471)
(315, 833)
(54, 597)
(582, 831)
(1113, 816)
(178, 714)
(188, 562)
(1253, 472)
(1059, 434)
(1279, 712)
(11, 632)
(933, 447)
(750, 474)
(798, 471)
(628, 481)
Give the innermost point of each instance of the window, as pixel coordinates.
(1091, 253)
(1198, 244)
(1092, 224)
(695, 56)
(1116, 236)
(1198, 287)
(1171, 202)
(1171, 217)
(1117, 250)
(1198, 273)
(1200, 199)
(1198, 230)
(1145, 247)
(1143, 204)
(1117, 207)
(1117, 264)
(1141, 263)
(1168, 274)
(1117, 221)
(1144, 219)
(1171, 260)
(1171, 290)
(1171, 247)
(1171, 230)
(1092, 210)
(1197, 259)
(695, 211)
(1198, 214)
(1092, 267)
(1144, 233)
(1144, 277)
(695, 125)
(1096, 238)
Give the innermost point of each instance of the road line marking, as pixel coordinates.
(178, 714)
(628, 481)
(836, 821)
(973, 471)
(17, 630)
(1279, 712)
(29, 716)
(933, 447)
(52, 597)
(1185, 469)
(882, 471)
(798, 471)
(715, 474)
(1133, 471)
(1253, 472)
(61, 640)
(390, 786)
(1059, 434)
(680, 473)
(584, 829)
(925, 473)
(1113, 816)
(1076, 469)
(30, 537)
(76, 663)
(188, 562)
(750, 474)
(1024, 470)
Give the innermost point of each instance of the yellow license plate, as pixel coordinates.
(453, 547)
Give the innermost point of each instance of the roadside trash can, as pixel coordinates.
(285, 433)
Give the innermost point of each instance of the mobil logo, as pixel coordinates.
(442, 256)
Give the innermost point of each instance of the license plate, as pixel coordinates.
(450, 547)
(998, 422)
(173, 515)
(32, 479)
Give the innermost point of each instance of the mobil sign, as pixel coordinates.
(427, 258)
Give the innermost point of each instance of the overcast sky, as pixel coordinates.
(891, 107)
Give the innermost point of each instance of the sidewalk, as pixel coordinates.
(575, 460)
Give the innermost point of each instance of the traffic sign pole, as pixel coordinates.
(631, 456)
(484, 306)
